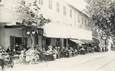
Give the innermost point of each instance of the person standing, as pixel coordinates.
(110, 43)
(55, 53)
(2, 61)
(22, 56)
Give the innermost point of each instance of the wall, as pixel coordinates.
(82, 20)
(57, 17)
(8, 13)
(78, 20)
(5, 34)
(2, 35)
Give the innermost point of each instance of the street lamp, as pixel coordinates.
(33, 32)
(28, 33)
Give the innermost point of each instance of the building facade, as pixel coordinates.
(67, 22)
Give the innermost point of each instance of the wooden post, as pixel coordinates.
(67, 43)
(62, 42)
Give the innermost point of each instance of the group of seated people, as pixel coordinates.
(29, 56)
(34, 55)
(5, 58)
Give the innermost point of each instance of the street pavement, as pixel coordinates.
(102, 61)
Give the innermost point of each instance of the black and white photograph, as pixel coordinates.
(57, 35)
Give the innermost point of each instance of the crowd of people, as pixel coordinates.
(5, 59)
(36, 55)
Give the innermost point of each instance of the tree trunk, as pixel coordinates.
(32, 41)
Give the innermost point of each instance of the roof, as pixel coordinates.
(79, 6)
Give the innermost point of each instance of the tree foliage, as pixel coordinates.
(102, 13)
(31, 13)
(32, 18)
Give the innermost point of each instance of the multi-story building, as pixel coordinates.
(67, 22)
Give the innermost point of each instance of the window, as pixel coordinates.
(85, 21)
(78, 18)
(82, 20)
(57, 7)
(41, 2)
(50, 4)
(64, 10)
(71, 13)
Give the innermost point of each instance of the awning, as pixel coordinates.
(77, 41)
(54, 30)
(57, 31)
(82, 34)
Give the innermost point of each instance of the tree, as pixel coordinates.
(31, 17)
(101, 12)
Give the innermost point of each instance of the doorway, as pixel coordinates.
(17, 44)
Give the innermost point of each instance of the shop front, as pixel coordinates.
(34, 36)
(18, 43)
(58, 35)
(10, 36)
(17, 38)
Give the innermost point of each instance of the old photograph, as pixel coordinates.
(57, 35)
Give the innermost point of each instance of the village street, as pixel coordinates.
(35, 31)
(89, 62)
